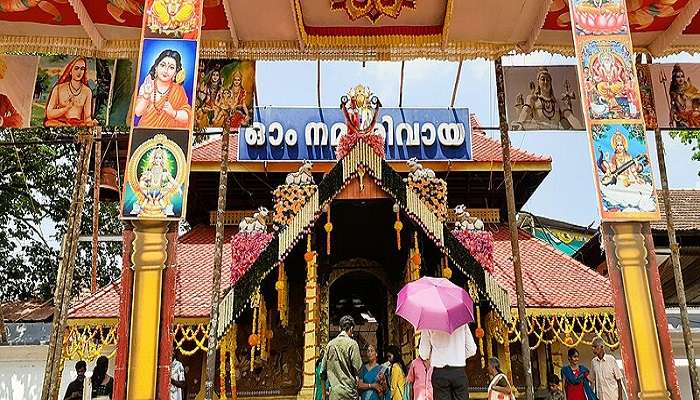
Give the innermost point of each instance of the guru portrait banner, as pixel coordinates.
(543, 98)
(287, 134)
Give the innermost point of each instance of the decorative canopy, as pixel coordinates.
(342, 29)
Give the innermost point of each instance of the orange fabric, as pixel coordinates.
(154, 117)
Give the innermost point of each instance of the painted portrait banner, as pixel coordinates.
(16, 88)
(64, 92)
(160, 144)
(612, 111)
(225, 90)
(675, 96)
(543, 98)
(156, 175)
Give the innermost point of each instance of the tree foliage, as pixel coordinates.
(36, 183)
(689, 137)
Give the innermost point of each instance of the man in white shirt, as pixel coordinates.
(177, 378)
(448, 355)
(607, 378)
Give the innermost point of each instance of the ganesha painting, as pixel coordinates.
(608, 81)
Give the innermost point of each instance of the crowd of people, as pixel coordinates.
(438, 372)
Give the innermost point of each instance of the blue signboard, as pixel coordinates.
(289, 134)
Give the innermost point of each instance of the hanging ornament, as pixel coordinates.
(254, 339)
(232, 346)
(445, 269)
(223, 349)
(479, 332)
(361, 174)
(282, 287)
(262, 328)
(398, 225)
(329, 228)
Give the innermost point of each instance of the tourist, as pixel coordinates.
(576, 379)
(372, 383)
(448, 355)
(499, 388)
(101, 382)
(396, 374)
(341, 363)
(75, 388)
(419, 376)
(554, 388)
(177, 378)
(607, 378)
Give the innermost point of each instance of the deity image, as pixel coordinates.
(70, 100)
(646, 91)
(684, 98)
(624, 171)
(609, 81)
(224, 93)
(9, 116)
(541, 110)
(162, 101)
(155, 177)
(360, 109)
(178, 18)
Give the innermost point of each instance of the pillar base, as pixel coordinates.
(306, 394)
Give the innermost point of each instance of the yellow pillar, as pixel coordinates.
(310, 327)
(631, 254)
(148, 259)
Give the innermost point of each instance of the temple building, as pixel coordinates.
(345, 242)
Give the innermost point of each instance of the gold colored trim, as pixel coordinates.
(399, 166)
(565, 312)
(84, 322)
(447, 22)
(190, 320)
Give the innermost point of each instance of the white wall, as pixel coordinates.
(682, 362)
(22, 371)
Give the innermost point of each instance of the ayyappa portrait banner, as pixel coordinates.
(613, 111)
(288, 134)
(16, 89)
(543, 98)
(160, 144)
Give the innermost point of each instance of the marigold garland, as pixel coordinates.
(245, 249)
(479, 244)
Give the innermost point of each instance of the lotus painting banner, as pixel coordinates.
(613, 111)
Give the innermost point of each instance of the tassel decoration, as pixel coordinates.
(479, 332)
(329, 228)
(282, 287)
(398, 226)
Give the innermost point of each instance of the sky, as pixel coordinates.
(567, 193)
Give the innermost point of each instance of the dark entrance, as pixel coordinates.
(364, 297)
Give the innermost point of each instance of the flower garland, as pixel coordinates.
(479, 244)
(348, 141)
(433, 192)
(245, 249)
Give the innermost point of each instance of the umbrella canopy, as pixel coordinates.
(435, 303)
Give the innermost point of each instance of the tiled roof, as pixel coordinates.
(685, 207)
(195, 259)
(551, 278)
(484, 149)
(27, 311)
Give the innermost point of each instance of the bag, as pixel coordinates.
(495, 395)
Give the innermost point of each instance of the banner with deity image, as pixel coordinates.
(163, 111)
(225, 90)
(543, 98)
(16, 89)
(676, 99)
(613, 111)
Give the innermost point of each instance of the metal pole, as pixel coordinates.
(216, 279)
(677, 272)
(454, 90)
(403, 65)
(510, 200)
(318, 82)
(96, 210)
(66, 267)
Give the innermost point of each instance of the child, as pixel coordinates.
(555, 393)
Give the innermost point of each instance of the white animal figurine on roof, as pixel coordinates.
(417, 171)
(256, 223)
(301, 177)
(464, 221)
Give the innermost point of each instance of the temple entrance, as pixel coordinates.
(363, 296)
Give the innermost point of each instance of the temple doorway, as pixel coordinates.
(363, 296)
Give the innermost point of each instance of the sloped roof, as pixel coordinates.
(484, 149)
(195, 261)
(551, 278)
(685, 207)
(27, 311)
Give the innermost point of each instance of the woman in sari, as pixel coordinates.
(162, 101)
(372, 382)
(577, 379)
(499, 388)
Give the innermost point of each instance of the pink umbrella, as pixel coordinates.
(435, 303)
